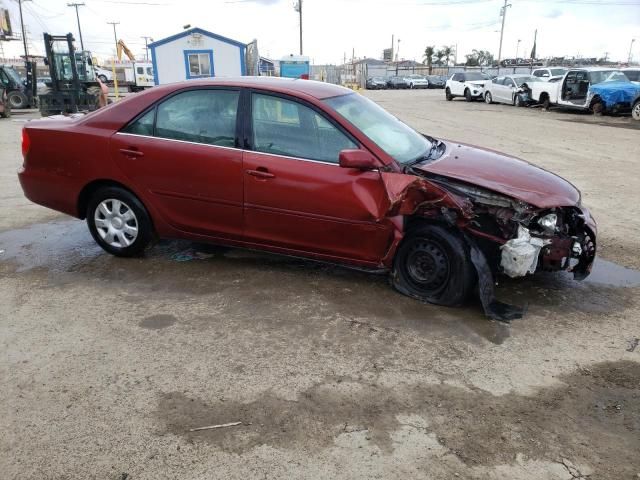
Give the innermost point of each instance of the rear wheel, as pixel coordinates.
(546, 103)
(447, 94)
(487, 98)
(433, 265)
(102, 78)
(635, 110)
(517, 101)
(118, 222)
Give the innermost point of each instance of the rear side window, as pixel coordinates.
(202, 116)
(633, 75)
(285, 127)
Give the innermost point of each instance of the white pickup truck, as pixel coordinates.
(574, 89)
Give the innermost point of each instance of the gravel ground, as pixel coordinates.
(108, 363)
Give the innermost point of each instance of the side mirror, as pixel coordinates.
(360, 159)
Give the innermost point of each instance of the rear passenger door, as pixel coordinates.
(182, 156)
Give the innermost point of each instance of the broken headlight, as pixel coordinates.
(548, 223)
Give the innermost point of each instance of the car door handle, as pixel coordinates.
(260, 173)
(131, 153)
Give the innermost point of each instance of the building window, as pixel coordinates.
(199, 63)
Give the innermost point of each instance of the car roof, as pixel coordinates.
(319, 90)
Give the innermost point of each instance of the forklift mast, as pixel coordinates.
(73, 84)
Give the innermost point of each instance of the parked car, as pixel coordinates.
(596, 89)
(5, 105)
(545, 74)
(510, 89)
(436, 81)
(376, 83)
(635, 109)
(469, 85)
(308, 169)
(632, 73)
(417, 81)
(397, 82)
(104, 74)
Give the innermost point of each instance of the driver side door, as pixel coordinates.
(297, 198)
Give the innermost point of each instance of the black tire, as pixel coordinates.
(145, 232)
(546, 103)
(432, 264)
(517, 101)
(447, 94)
(598, 108)
(467, 95)
(635, 110)
(18, 99)
(488, 98)
(103, 78)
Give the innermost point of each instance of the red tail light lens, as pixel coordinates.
(26, 143)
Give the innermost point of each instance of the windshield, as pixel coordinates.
(521, 80)
(397, 139)
(473, 76)
(607, 76)
(13, 75)
(557, 71)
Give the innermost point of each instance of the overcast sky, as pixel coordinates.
(333, 28)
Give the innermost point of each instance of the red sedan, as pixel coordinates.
(307, 169)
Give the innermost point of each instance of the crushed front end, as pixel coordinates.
(520, 239)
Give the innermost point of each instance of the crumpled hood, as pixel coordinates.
(504, 174)
(616, 92)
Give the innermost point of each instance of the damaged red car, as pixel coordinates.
(312, 170)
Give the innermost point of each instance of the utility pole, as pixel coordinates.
(298, 8)
(146, 48)
(629, 58)
(517, 48)
(24, 37)
(503, 12)
(115, 37)
(76, 5)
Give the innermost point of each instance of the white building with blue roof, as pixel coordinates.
(196, 53)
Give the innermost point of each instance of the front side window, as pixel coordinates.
(285, 127)
(143, 125)
(199, 64)
(150, 71)
(140, 70)
(396, 138)
(202, 116)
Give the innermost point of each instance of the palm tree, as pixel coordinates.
(429, 53)
(448, 52)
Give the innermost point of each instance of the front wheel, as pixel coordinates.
(118, 222)
(447, 94)
(433, 265)
(467, 95)
(487, 98)
(103, 78)
(635, 110)
(598, 109)
(18, 99)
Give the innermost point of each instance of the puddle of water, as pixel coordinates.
(158, 322)
(612, 275)
(256, 283)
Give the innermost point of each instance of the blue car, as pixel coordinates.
(615, 97)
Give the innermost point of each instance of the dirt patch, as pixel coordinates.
(593, 419)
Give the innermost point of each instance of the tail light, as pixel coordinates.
(26, 143)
